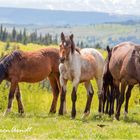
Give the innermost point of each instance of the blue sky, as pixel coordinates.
(111, 6)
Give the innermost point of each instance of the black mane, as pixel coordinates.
(6, 62)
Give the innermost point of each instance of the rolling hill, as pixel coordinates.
(49, 17)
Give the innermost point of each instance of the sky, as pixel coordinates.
(131, 7)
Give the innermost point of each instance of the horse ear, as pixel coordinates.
(71, 37)
(73, 45)
(62, 36)
(108, 49)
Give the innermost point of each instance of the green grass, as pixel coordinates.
(46, 126)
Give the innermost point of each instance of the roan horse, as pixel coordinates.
(124, 66)
(30, 67)
(79, 66)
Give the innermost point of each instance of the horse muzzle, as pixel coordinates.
(62, 59)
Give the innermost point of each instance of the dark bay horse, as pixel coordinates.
(124, 66)
(30, 67)
(108, 88)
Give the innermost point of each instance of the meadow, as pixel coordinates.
(37, 123)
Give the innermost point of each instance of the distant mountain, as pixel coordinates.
(49, 17)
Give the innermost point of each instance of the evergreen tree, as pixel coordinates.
(46, 40)
(14, 35)
(40, 39)
(55, 40)
(4, 35)
(19, 36)
(1, 32)
(24, 37)
(33, 37)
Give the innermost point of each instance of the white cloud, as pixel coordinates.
(111, 6)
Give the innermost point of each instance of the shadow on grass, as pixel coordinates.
(102, 118)
(99, 119)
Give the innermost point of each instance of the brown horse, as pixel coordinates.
(30, 67)
(124, 66)
(109, 94)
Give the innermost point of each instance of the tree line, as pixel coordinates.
(23, 37)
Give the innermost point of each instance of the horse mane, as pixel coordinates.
(78, 50)
(7, 60)
(3, 57)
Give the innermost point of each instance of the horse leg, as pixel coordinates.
(63, 83)
(11, 97)
(112, 99)
(104, 96)
(108, 99)
(90, 93)
(100, 95)
(73, 98)
(18, 97)
(117, 93)
(121, 100)
(55, 91)
(128, 94)
(59, 86)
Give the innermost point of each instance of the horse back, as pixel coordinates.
(34, 66)
(119, 64)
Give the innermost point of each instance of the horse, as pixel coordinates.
(109, 94)
(108, 87)
(79, 66)
(124, 65)
(30, 67)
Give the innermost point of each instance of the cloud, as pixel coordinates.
(111, 6)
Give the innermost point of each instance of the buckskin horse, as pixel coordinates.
(79, 66)
(32, 66)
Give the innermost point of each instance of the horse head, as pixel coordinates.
(67, 46)
(135, 64)
(2, 68)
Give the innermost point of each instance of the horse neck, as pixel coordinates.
(71, 59)
(137, 68)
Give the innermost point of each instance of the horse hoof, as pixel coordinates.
(106, 112)
(65, 112)
(125, 114)
(72, 117)
(6, 112)
(85, 115)
(52, 112)
(22, 113)
(21, 110)
(60, 113)
(117, 117)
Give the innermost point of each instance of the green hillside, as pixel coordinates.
(90, 35)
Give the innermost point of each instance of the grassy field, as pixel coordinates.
(36, 123)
